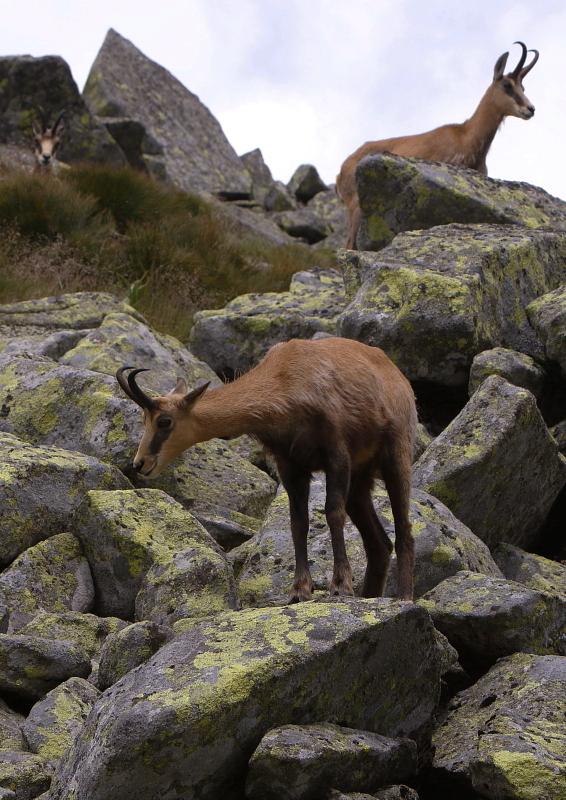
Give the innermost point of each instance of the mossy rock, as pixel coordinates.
(86, 630)
(434, 299)
(53, 575)
(486, 618)
(531, 570)
(503, 737)
(403, 194)
(11, 737)
(517, 368)
(55, 721)
(31, 666)
(235, 338)
(547, 315)
(23, 776)
(126, 533)
(303, 762)
(40, 490)
(123, 340)
(443, 546)
(189, 719)
(496, 466)
(128, 648)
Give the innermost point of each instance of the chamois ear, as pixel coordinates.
(190, 398)
(499, 68)
(180, 387)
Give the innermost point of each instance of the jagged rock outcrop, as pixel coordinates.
(434, 299)
(28, 83)
(403, 194)
(181, 142)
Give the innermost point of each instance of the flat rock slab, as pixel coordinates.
(403, 194)
(40, 490)
(503, 737)
(434, 299)
(486, 618)
(233, 339)
(496, 466)
(188, 720)
(304, 762)
(443, 546)
(183, 142)
(53, 575)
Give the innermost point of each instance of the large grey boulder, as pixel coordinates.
(126, 649)
(443, 546)
(503, 736)
(11, 736)
(187, 145)
(303, 762)
(23, 776)
(495, 466)
(516, 368)
(132, 538)
(41, 490)
(53, 575)
(434, 299)
(547, 315)
(486, 618)
(305, 183)
(235, 338)
(329, 207)
(402, 194)
(85, 630)
(28, 83)
(536, 572)
(189, 719)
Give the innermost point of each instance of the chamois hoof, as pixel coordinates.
(299, 597)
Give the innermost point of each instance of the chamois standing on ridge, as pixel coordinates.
(464, 145)
(329, 404)
(46, 141)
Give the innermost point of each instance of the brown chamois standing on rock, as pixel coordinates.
(464, 145)
(46, 141)
(330, 404)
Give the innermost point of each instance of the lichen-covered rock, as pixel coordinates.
(188, 720)
(54, 722)
(504, 736)
(86, 630)
(531, 570)
(329, 206)
(41, 488)
(547, 315)
(305, 183)
(259, 172)
(235, 338)
(53, 575)
(11, 736)
(398, 792)
(496, 466)
(125, 533)
(403, 194)
(303, 224)
(303, 762)
(31, 666)
(434, 299)
(127, 649)
(50, 404)
(121, 339)
(443, 546)
(30, 83)
(486, 618)
(25, 774)
(225, 492)
(186, 144)
(516, 368)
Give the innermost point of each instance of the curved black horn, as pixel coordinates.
(57, 121)
(43, 119)
(132, 389)
(521, 63)
(529, 67)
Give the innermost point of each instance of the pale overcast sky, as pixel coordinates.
(308, 81)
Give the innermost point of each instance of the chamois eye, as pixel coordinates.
(164, 422)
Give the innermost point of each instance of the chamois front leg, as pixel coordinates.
(297, 487)
(337, 486)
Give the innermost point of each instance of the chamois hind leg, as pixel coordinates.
(337, 487)
(397, 476)
(377, 545)
(297, 487)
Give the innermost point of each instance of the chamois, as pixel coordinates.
(330, 404)
(46, 142)
(464, 145)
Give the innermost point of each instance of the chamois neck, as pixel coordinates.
(480, 129)
(227, 410)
